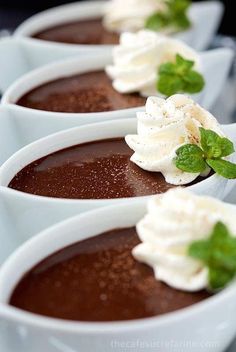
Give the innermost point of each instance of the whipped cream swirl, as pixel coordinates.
(130, 15)
(137, 59)
(173, 221)
(162, 129)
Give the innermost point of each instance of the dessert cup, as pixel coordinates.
(31, 53)
(39, 123)
(193, 326)
(30, 213)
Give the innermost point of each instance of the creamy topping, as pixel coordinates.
(137, 59)
(174, 220)
(130, 15)
(162, 129)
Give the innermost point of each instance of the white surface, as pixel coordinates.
(209, 325)
(31, 53)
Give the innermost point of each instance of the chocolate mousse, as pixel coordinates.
(87, 92)
(95, 170)
(98, 279)
(89, 31)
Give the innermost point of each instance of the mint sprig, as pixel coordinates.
(175, 16)
(196, 159)
(179, 77)
(218, 253)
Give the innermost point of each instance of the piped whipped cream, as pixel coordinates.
(138, 56)
(173, 221)
(130, 15)
(162, 129)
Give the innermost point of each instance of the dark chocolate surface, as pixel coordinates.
(79, 32)
(98, 279)
(96, 170)
(88, 92)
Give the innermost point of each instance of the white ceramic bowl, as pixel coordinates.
(30, 214)
(207, 326)
(20, 54)
(50, 122)
(34, 124)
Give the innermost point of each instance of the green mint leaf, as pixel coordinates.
(223, 168)
(167, 68)
(215, 146)
(169, 84)
(189, 158)
(218, 254)
(179, 77)
(174, 16)
(182, 22)
(199, 250)
(220, 232)
(178, 9)
(225, 244)
(183, 64)
(179, 6)
(219, 278)
(194, 82)
(210, 143)
(227, 147)
(156, 22)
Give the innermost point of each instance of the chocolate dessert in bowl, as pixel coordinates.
(100, 84)
(118, 161)
(126, 272)
(97, 25)
(86, 90)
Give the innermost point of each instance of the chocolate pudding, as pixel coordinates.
(88, 92)
(95, 170)
(79, 32)
(98, 279)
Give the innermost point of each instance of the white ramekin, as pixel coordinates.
(206, 326)
(42, 123)
(20, 54)
(30, 214)
(34, 124)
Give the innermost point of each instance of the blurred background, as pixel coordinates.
(13, 12)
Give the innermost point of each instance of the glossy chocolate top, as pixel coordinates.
(88, 92)
(79, 32)
(95, 170)
(98, 279)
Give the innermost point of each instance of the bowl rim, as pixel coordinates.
(36, 320)
(67, 135)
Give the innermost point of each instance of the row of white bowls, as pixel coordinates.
(209, 326)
